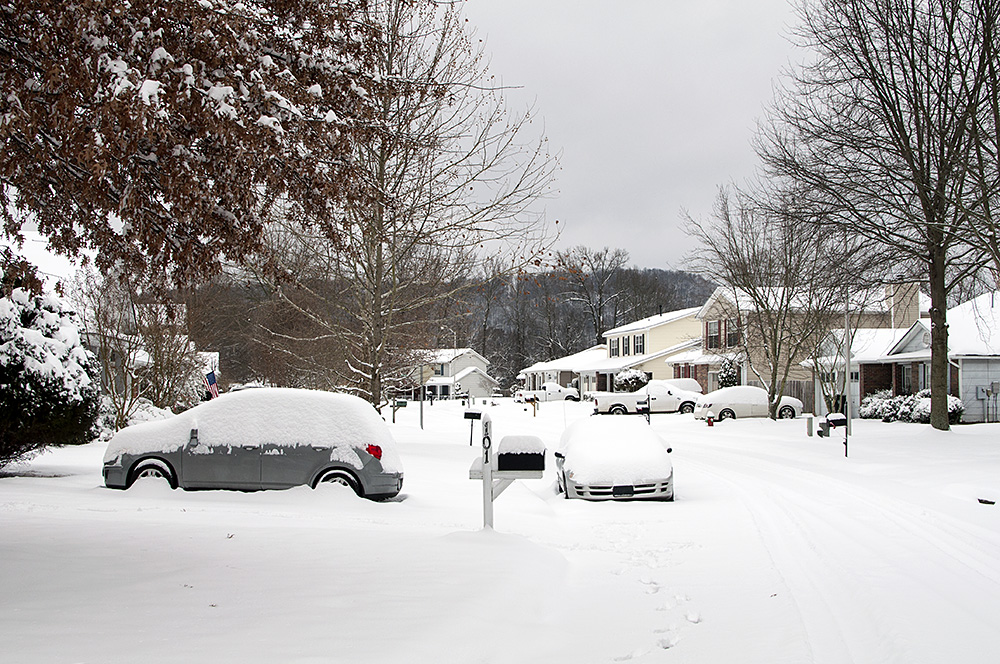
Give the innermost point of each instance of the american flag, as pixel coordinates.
(213, 387)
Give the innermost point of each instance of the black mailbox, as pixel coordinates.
(521, 453)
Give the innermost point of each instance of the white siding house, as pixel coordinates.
(456, 371)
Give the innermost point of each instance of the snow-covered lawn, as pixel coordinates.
(777, 549)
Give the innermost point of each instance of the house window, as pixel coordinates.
(732, 333)
(640, 344)
(625, 346)
(906, 379)
(439, 370)
(712, 337)
(613, 348)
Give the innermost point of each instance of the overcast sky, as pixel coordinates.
(652, 102)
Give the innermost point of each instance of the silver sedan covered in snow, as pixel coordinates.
(267, 438)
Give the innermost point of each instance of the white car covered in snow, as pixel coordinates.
(549, 392)
(613, 458)
(659, 396)
(743, 401)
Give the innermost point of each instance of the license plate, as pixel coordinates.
(625, 490)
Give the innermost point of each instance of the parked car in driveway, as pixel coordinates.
(613, 458)
(266, 438)
(548, 392)
(659, 396)
(743, 401)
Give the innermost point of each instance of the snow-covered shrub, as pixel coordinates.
(48, 387)
(630, 380)
(873, 405)
(907, 407)
(144, 411)
(729, 373)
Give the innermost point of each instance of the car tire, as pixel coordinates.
(152, 468)
(687, 408)
(342, 477)
(617, 410)
(727, 414)
(786, 413)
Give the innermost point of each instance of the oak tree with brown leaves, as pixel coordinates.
(159, 134)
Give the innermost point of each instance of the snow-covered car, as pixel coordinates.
(266, 438)
(613, 458)
(549, 392)
(658, 395)
(743, 401)
(689, 384)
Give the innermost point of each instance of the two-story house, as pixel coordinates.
(726, 334)
(642, 345)
(449, 372)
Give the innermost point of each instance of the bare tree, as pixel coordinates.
(447, 179)
(143, 350)
(778, 281)
(592, 276)
(880, 129)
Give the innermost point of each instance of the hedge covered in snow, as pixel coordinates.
(883, 406)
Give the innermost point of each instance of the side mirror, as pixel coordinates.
(560, 455)
(669, 450)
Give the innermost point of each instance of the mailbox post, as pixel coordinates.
(522, 457)
(834, 420)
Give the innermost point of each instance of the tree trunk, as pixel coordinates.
(939, 338)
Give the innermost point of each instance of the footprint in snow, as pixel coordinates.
(693, 617)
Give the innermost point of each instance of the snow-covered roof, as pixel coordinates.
(653, 321)
(446, 355)
(468, 371)
(698, 356)
(974, 327)
(871, 300)
(869, 344)
(570, 362)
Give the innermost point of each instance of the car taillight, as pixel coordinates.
(375, 451)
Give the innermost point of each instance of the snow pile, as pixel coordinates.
(614, 450)
(777, 549)
(277, 416)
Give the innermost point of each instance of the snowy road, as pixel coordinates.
(778, 549)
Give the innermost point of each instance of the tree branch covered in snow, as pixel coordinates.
(158, 133)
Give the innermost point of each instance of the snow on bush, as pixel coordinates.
(144, 411)
(48, 391)
(729, 373)
(907, 408)
(630, 380)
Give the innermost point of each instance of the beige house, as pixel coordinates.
(896, 306)
(641, 345)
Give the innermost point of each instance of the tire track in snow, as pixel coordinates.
(838, 558)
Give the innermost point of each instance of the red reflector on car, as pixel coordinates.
(375, 451)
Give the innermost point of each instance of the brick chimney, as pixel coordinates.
(903, 301)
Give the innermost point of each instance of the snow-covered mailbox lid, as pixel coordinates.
(521, 454)
(836, 420)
